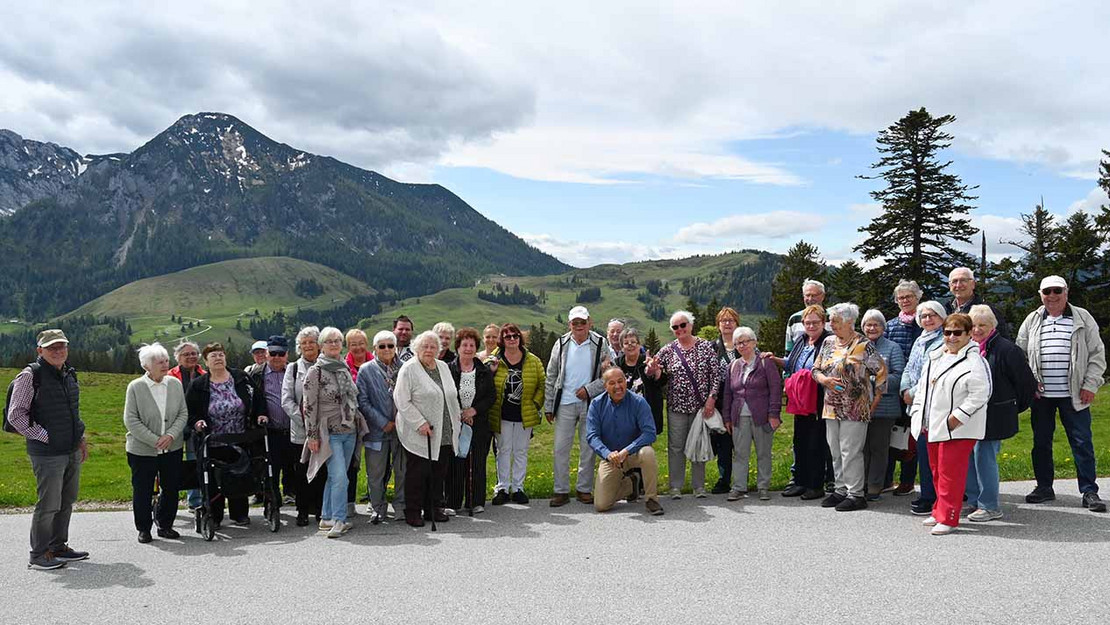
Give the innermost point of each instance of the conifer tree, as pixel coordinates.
(925, 206)
(802, 261)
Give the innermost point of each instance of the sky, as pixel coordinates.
(601, 131)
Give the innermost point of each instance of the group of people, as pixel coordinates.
(936, 388)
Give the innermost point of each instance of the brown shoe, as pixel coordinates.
(559, 499)
(653, 507)
(903, 490)
(586, 498)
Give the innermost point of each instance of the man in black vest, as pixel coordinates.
(44, 410)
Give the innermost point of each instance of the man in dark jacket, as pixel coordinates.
(961, 281)
(44, 410)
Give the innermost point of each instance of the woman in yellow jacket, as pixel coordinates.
(519, 380)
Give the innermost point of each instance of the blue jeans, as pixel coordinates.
(1077, 425)
(982, 476)
(928, 493)
(335, 489)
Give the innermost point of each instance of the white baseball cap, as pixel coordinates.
(578, 312)
(259, 345)
(1051, 281)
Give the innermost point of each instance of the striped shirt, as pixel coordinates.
(1056, 355)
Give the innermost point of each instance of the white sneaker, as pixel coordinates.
(736, 495)
(340, 528)
(941, 529)
(929, 522)
(326, 524)
(699, 493)
(982, 516)
(450, 512)
(479, 509)
(675, 493)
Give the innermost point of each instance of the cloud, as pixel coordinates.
(866, 211)
(1091, 204)
(590, 253)
(773, 225)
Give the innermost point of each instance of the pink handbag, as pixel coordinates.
(801, 393)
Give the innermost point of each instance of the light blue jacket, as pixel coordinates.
(375, 401)
(889, 405)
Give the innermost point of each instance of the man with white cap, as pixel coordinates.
(573, 379)
(259, 353)
(43, 408)
(1068, 359)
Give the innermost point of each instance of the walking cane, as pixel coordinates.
(431, 468)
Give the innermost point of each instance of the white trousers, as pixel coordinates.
(568, 418)
(512, 456)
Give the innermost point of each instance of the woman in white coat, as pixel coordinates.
(950, 405)
(428, 424)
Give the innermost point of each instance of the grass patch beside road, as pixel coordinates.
(106, 477)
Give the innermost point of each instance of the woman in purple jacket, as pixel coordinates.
(752, 405)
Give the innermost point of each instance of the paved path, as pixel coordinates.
(705, 561)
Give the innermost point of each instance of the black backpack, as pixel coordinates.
(36, 379)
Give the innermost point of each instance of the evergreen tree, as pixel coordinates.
(1078, 245)
(847, 283)
(651, 342)
(711, 310)
(924, 207)
(802, 261)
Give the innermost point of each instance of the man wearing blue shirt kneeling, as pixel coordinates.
(620, 429)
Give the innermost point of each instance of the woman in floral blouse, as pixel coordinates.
(693, 378)
(844, 366)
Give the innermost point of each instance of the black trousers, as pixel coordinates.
(282, 459)
(418, 473)
(310, 495)
(811, 451)
(469, 471)
(722, 446)
(167, 468)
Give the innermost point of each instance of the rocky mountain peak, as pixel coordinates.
(32, 170)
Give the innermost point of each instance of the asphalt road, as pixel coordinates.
(704, 561)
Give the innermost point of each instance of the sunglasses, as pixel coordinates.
(953, 333)
(681, 325)
(510, 337)
(385, 346)
(1052, 290)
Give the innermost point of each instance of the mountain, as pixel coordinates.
(211, 188)
(31, 170)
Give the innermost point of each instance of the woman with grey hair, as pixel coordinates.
(845, 366)
(693, 373)
(930, 316)
(889, 407)
(632, 361)
(752, 411)
(1012, 388)
(376, 380)
(428, 424)
(333, 424)
(155, 415)
(309, 494)
(446, 334)
(903, 330)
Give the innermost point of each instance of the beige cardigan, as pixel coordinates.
(419, 399)
(144, 422)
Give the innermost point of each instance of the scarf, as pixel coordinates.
(983, 345)
(346, 384)
(907, 318)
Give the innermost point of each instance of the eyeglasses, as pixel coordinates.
(384, 346)
(953, 333)
(904, 298)
(510, 337)
(743, 341)
(929, 315)
(333, 342)
(681, 325)
(1052, 290)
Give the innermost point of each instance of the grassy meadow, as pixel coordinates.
(106, 477)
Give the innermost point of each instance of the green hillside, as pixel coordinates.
(216, 296)
(618, 298)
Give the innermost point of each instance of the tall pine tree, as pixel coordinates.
(925, 207)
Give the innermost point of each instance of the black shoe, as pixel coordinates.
(851, 503)
(921, 507)
(832, 500)
(68, 554)
(243, 522)
(145, 537)
(519, 497)
(720, 488)
(500, 498)
(635, 487)
(441, 516)
(302, 519)
(169, 533)
(810, 494)
(793, 490)
(1040, 495)
(1093, 503)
